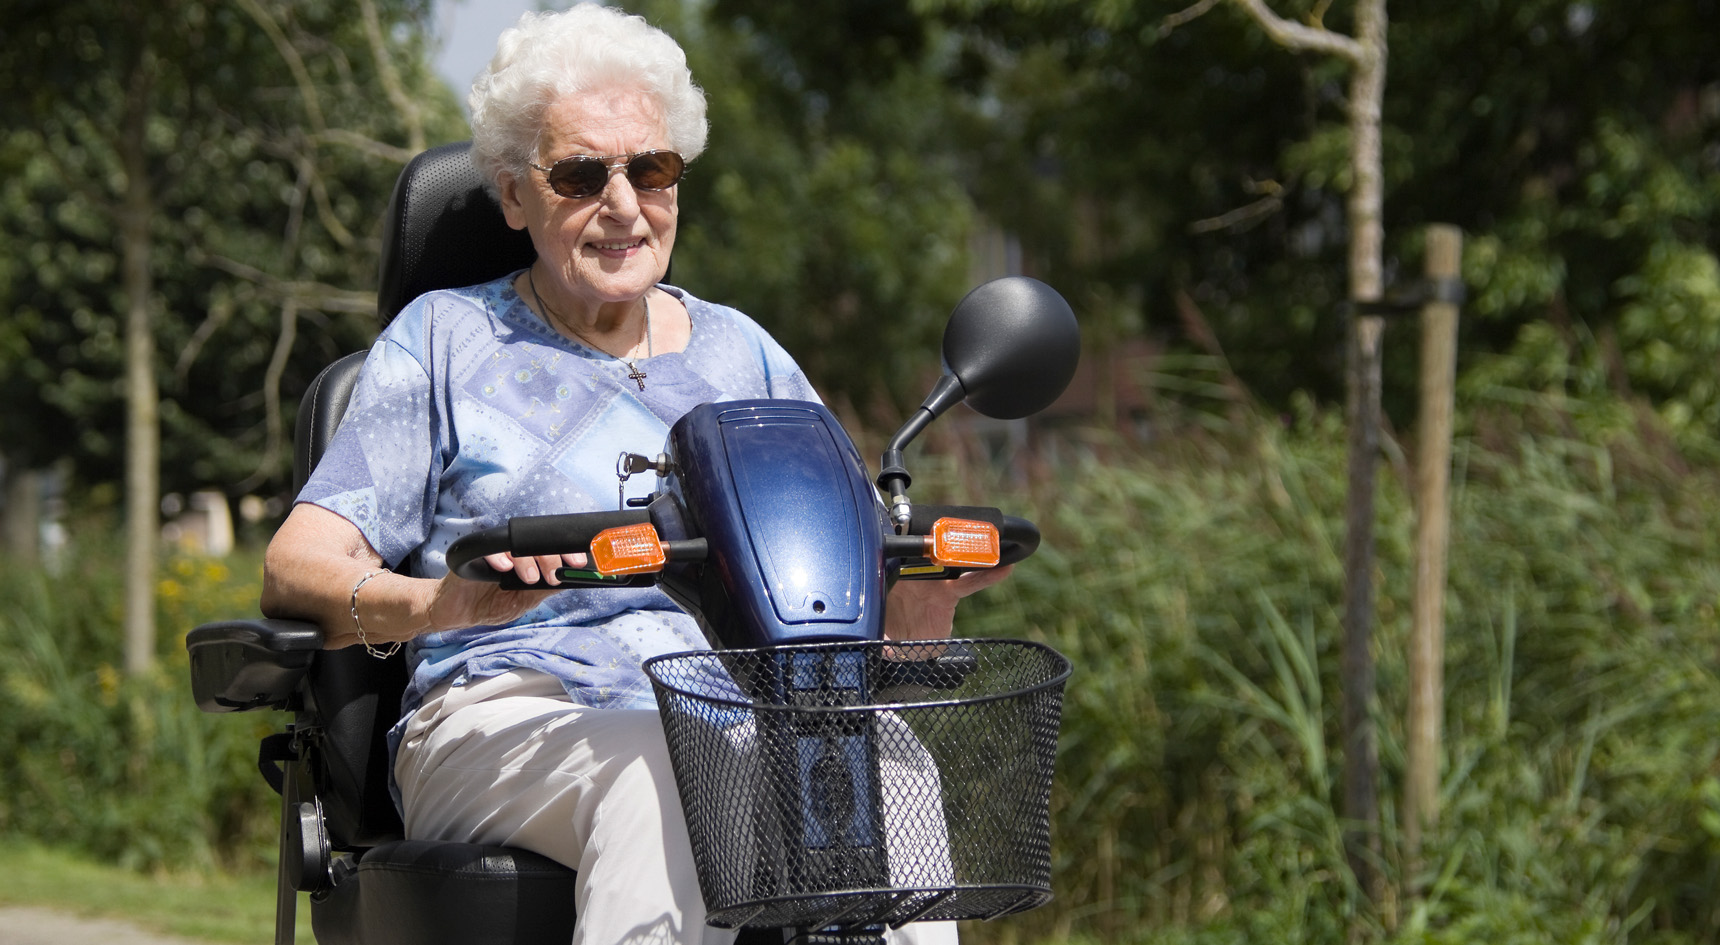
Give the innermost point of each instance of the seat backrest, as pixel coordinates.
(443, 230)
(320, 411)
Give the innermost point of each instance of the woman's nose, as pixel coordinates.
(619, 197)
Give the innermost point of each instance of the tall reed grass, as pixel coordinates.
(1196, 586)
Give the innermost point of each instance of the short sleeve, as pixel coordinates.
(379, 470)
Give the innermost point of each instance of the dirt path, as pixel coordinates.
(27, 925)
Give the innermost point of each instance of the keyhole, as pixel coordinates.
(818, 607)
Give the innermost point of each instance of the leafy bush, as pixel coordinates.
(125, 768)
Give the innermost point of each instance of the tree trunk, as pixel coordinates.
(142, 427)
(1366, 200)
(1366, 53)
(1361, 750)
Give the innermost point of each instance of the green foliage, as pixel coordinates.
(1197, 592)
(266, 146)
(828, 204)
(1142, 155)
(1670, 325)
(126, 768)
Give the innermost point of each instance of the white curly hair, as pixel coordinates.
(546, 57)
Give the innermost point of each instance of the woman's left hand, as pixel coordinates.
(926, 610)
(457, 603)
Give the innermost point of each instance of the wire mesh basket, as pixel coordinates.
(857, 784)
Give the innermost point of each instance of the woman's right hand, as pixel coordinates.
(319, 566)
(457, 603)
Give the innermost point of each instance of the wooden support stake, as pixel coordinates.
(1432, 533)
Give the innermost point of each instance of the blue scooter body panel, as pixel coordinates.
(793, 524)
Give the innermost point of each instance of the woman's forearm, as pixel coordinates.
(316, 570)
(312, 566)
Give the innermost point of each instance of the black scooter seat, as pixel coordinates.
(421, 892)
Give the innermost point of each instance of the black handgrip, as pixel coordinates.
(566, 534)
(1018, 536)
(1020, 539)
(569, 578)
(466, 555)
(533, 535)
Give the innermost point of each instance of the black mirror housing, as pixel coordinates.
(1013, 343)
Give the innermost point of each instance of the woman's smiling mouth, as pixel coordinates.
(616, 246)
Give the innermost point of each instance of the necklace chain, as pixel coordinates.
(633, 373)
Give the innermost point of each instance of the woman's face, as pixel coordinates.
(615, 245)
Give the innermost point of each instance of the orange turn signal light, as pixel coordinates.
(964, 543)
(629, 549)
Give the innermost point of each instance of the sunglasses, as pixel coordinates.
(585, 175)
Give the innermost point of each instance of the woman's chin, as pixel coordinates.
(618, 279)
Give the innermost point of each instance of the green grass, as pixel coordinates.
(211, 908)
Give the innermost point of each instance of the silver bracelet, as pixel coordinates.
(380, 654)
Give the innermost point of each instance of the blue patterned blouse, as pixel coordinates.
(471, 410)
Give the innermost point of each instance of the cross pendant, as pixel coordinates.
(636, 375)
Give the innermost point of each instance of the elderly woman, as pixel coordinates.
(528, 720)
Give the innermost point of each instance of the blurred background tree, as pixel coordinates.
(186, 184)
(1182, 180)
(830, 204)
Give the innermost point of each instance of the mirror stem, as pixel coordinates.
(946, 393)
(894, 482)
(893, 478)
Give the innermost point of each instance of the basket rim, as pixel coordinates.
(1066, 669)
(1034, 896)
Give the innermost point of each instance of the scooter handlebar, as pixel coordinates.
(572, 533)
(533, 535)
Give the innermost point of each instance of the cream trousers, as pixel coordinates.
(511, 760)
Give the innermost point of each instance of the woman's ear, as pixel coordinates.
(508, 188)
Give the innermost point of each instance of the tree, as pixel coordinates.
(1365, 54)
(1593, 233)
(224, 161)
(828, 204)
(1141, 159)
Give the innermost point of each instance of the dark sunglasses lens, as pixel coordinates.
(655, 170)
(578, 177)
(582, 176)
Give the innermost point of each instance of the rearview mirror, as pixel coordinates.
(1013, 343)
(1010, 348)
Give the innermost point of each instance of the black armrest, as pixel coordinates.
(248, 664)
